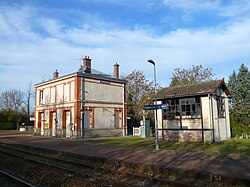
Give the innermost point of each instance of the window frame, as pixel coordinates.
(173, 111)
(185, 108)
(221, 109)
(190, 107)
(41, 97)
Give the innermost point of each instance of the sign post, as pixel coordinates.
(156, 107)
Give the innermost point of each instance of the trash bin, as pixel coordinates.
(22, 128)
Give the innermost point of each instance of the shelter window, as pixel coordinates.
(221, 107)
(173, 110)
(190, 107)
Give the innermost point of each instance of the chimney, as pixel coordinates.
(116, 70)
(55, 74)
(87, 64)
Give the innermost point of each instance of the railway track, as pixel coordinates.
(83, 171)
(62, 169)
(9, 180)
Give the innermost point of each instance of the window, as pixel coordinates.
(41, 97)
(187, 108)
(173, 111)
(221, 107)
(190, 107)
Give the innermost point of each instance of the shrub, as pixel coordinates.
(7, 126)
(238, 129)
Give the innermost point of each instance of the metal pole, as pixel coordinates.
(123, 111)
(157, 147)
(81, 109)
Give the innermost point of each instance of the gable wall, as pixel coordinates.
(105, 98)
(103, 91)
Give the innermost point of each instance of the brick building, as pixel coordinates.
(84, 103)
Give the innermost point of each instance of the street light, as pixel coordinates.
(157, 147)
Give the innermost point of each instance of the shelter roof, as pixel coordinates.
(202, 88)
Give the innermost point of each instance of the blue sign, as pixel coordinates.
(164, 106)
(151, 107)
(155, 107)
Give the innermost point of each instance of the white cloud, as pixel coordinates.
(146, 4)
(193, 5)
(213, 7)
(30, 55)
(53, 27)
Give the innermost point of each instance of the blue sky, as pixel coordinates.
(39, 36)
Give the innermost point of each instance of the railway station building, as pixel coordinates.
(81, 104)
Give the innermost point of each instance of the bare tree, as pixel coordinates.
(195, 74)
(12, 100)
(29, 94)
(139, 90)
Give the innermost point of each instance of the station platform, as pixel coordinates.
(233, 169)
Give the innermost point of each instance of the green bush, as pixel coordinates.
(8, 120)
(239, 129)
(7, 126)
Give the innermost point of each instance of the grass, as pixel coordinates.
(30, 131)
(6, 140)
(233, 148)
(230, 148)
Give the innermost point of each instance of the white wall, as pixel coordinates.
(159, 116)
(206, 112)
(96, 91)
(104, 118)
(228, 129)
(172, 124)
(104, 99)
(66, 92)
(191, 123)
(53, 95)
(59, 93)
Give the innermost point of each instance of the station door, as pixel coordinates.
(87, 119)
(68, 123)
(54, 124)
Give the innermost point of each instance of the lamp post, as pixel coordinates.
(157, 147)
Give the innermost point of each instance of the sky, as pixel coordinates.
(39, 36)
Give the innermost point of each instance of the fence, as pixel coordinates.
(244, 135)
(136, 131)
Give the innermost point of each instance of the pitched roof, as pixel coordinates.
(95, 74)
(100, 75)
(202, 88)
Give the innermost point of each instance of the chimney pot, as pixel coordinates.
(116, 70)
(87, 64)
(55, 74)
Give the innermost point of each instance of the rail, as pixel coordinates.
(94, 172)
(15, 179)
